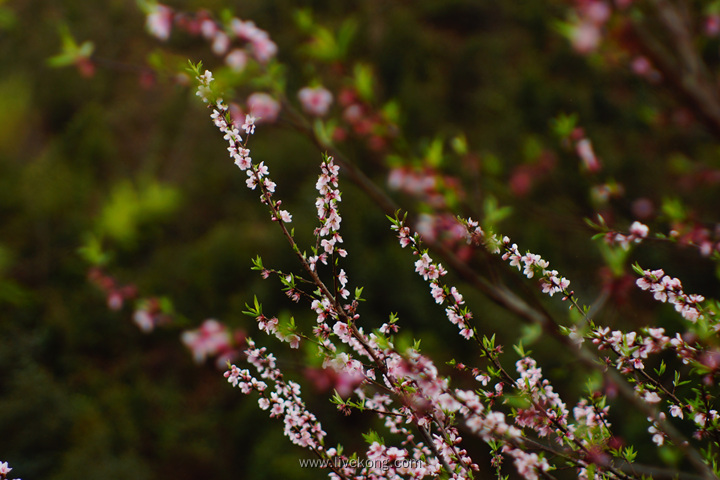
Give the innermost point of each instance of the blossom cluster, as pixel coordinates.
(553, 415)
(433, 189)
(432, 271)
(531, 264)
(328, 233)
(632, 350)
(116, 294)
(284, 401)
(363, 120)
(255, 42)
(237, 148)
(638, 232)
(426, 397)
(211, 339)
(587, 30)
(668, 289)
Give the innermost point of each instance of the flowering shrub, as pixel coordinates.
(435, 412)
(405, 388)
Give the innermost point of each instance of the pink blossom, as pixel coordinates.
(527, 464)
(641, 66)
(159, 22)
(315, 101)
(585, 37)
(285, 216)
(651, 397)
(712, 25)
(437, 293)
(210, 339)
(263, 107)
(586, 153)
(597, 12)
(264, 49)
(639, 230)
(236, 60)
(249, 125)
(246, 30)
(208, 29)
(676, 411)
(144, 320)
(221, 43)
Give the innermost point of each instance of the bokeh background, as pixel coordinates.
(135, 165)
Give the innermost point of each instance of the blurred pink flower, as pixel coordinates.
(712, 25)
(597, 12)
(236, 60)
(263, 107)
(264, 49)
(246, 30)
(159, 22)
(585, 37)
(586, 153)
(208, 29)
(212, 338)
(315, 101)
(221, 43)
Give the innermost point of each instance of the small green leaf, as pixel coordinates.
(364, 81)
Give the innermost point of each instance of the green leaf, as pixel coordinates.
(372, 437)
(129, 209)
(323, 131)
(563, 126)
(638, 269)
(494, 214)
(531, 333)
(459, 144)
(434, 153)
(8, 19)
(304, 20)
(92, 251)
(614, 257)
(674, 209)
(391, 111)
(363, 81)
(345, 35)
(71, 52)
(661, 370)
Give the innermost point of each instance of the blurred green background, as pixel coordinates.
(85, 394)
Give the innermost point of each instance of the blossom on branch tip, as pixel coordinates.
(668, 289)
(427, 269)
